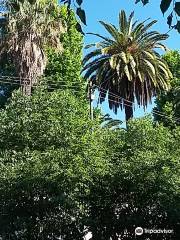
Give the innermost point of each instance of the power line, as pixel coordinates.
(55, 86)
(14, 81)
(153, 111)
(114, 95)
(164, 115)
(18, 79)
(49, 88)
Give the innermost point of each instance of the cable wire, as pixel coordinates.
(153, 111)
(102, 90)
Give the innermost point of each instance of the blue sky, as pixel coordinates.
(108, 10)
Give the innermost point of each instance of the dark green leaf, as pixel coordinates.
(81, 14)
(31, 1)
(79, 28)
(89, 46)
(177, 8)
(177, 27)
(145, 2)
(165, 5)
(79, 2)
(66, 2)
(169, 20)
(15, 6)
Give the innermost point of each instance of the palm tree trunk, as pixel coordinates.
(128, 105)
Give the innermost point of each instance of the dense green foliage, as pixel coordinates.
(64, 68)
(61, 173)
(47, 157)
(6, 85)
(142, 188)
(169, 102)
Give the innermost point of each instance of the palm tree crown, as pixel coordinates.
(126, 65)
(30, 27)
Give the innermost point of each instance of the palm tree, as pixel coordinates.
(109, 122)
(126, 64)
(30, 27)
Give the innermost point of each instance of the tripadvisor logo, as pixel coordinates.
(139, 231)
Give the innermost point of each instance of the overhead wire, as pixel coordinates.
(41, 83)
(114, 95)
(53, 86)
(153, 111)
(18, 79)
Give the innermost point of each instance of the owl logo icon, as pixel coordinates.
(139, 231)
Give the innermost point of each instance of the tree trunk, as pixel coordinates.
(128, 109)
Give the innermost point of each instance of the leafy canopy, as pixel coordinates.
(48, 156)
(168, 102)
(60, 179)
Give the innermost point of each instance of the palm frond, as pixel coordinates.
(104, 38)
(111, 29)
(132, 69)
(123, 23)
(90, 55)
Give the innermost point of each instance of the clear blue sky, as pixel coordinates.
(108, 10)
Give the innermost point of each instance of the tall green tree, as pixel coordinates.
(168, 102)
(58, 178)
(63, 68)
(48, 157)
(127, 64)
(142, 187)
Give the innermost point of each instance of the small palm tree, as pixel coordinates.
(110, 123)
(30, 27)
(126, 64)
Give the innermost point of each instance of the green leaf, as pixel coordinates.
(169, 20)
(31, 1)
(79, 28)
(126, 70)
(123, 57)
(90, 45)
(79, 2)
(177, 27)
(113, 61)
(145, 2)
(165, 5)
(81, 14)
(177, 8)
(15, 6)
